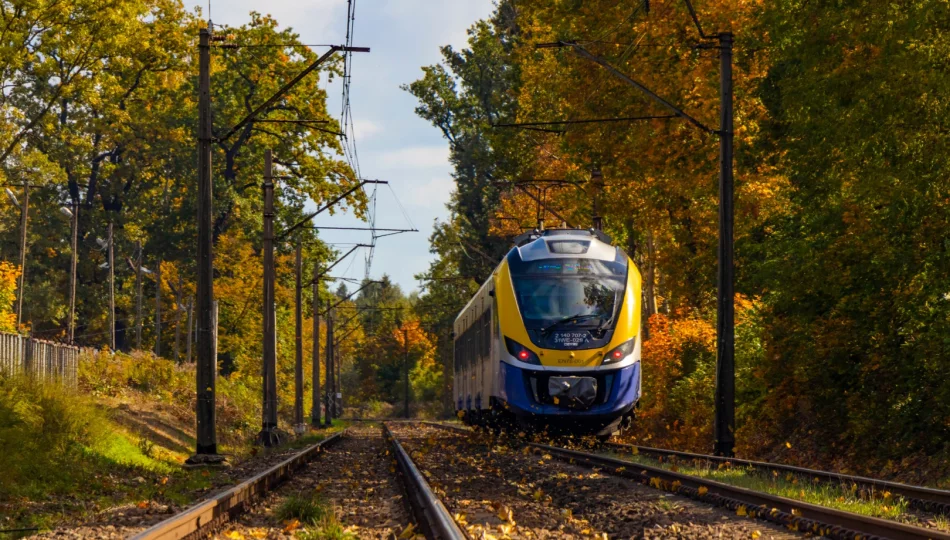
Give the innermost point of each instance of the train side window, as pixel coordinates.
(478, 342)
(472, 345)
(486, 332)
(468, 348)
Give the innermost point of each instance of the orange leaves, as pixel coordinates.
(414, 332)
(291, 526)
(504, 513)
(9, 274)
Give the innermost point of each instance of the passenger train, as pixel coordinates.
(551, 340)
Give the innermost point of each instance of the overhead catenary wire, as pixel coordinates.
(402, 208)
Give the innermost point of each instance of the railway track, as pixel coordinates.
(431, 514)
(212, 514)
(795, 515)
(219, 509)
(921, 498)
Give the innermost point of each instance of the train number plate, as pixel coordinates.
(570, 339)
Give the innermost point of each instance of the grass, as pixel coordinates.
(307, 509)
(121, 438)
(316, 515)
(64, 456)
(845, 497)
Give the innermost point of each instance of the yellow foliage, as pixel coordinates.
(9, 274)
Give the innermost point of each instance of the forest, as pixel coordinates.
(842, 201)
(842, 213)
(99, 116)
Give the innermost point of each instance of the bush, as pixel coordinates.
(46, 432)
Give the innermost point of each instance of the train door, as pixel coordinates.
(477, 364)
(456, 373)
(485, 345)
(469, 372)
(494, 351)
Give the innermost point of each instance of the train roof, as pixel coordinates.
(553, 244)
(565, 243)
(527, 237)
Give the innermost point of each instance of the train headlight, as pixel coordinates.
(619, 352)
(521, 352)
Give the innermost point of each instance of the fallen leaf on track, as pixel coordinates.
(408, 531)
(291, 526)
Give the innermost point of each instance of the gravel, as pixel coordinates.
(355, 477)
(501, 490)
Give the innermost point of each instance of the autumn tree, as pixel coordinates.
(8, 282)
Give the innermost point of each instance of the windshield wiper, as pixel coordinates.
(606, 324)
(572, 318)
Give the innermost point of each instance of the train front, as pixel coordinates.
(569, 315)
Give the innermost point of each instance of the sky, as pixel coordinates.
(392, 142)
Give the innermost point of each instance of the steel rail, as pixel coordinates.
(796, 515)
(448, 427)
(919, 497)
(431, 515)
(220, 508)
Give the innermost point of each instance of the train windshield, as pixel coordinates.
(582, 292)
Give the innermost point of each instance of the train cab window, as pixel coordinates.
(583, 292)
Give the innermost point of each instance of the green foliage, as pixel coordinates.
(104, 124)
(855, 277)
(316, 515)
(841, 206)
(109, 375)
(52, 441)
(308, 509)
(842, 496)
(333, 530)
(41, 429)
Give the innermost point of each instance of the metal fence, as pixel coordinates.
(38, 358)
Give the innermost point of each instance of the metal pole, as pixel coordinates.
(111, 289)
(299, 426)
(189, 332)
(268, 435)
(337, 381)
(315, 390)
(24, 218)
(158, 307)
(138, 296)
(405, 338)
(328, 367)
(206, 449)
(178, 310)
(74, 257)
(725, 418)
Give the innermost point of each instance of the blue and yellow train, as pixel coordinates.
(552, 338)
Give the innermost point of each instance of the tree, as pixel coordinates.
(8, 283)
